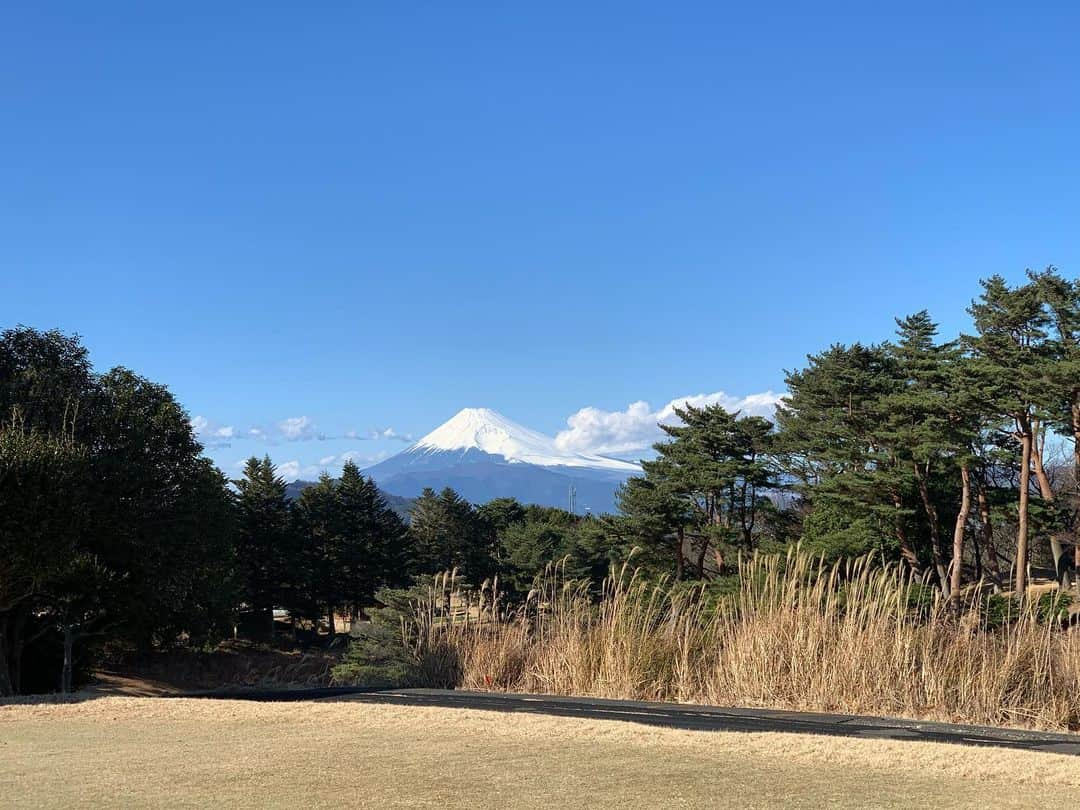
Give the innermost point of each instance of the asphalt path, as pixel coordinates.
(682, 716)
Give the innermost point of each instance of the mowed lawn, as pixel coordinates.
(138, 752)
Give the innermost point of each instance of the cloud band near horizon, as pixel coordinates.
(627, 433)
(594, 431)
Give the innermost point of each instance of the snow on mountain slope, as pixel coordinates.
(490, 432)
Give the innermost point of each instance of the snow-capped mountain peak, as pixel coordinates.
(483, 455)
(490, 432)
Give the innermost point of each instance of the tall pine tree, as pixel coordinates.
(448, 534)
(835, 441)
(266, 549)
(1010, 356)
(372, 552)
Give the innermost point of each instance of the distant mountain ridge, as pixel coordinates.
(484, 455)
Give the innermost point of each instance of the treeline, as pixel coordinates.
(959, 457)
(118, 536)
(330, 550)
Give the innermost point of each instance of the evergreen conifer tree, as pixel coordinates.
(266, 551)
(1010, 356)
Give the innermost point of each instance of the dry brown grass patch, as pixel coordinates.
(141, 752)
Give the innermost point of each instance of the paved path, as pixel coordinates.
(687, 716)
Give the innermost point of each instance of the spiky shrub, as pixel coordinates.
(854, 636)
(379, 654)
(416, 638)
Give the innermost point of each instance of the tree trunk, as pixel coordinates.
(680, 537)
(958, 538)
(753, 514)
(1076, 478)
(986, 529)
(747, 516)
(1047, 492)
(332, 628)
(7, 689)
(1022, 527)
(906, 551)
(935, 530)
(976, 553)
(701, 556)
(12, 625)
(69, 644)
(18, 642)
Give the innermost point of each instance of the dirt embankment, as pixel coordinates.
(232, 664)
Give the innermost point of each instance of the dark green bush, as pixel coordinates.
(378, 655)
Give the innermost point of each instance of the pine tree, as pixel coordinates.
(653, 518)
(918, 421)
(1010, 356)
(266, 552)
(447, 534)
(1061, 298)
(933, 419)
(372, 553)
(318, 527)
(717, 464)
(968, 419)
(496, 517)
(835, 441)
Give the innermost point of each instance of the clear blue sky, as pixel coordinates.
(373, 214)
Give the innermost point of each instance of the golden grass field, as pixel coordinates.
(798, 634)
(141, 752)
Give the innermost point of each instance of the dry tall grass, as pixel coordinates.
(798, 634)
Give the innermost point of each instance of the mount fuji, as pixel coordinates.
(483, 455)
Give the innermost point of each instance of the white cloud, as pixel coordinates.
(210, 434)
(289, 470)
(763, 404)
(618, 433)
(390, 433)
(378, 433)
(297, 428)
(292, 429)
